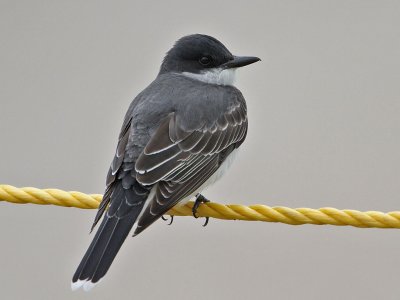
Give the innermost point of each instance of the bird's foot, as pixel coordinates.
(166, 219)
(199, 199)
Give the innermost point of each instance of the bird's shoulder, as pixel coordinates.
(195, 106)
(193, 101)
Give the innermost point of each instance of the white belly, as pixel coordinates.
(215, 177)
(221, 170)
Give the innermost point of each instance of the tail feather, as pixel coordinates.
(109, 238)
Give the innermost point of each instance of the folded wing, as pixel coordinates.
(178, 161)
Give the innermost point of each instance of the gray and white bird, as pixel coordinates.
(179, 136)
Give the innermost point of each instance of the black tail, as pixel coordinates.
(125, 207)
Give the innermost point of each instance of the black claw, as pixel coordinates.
(195, 207)
(166, 219)
(199, 199)
(194, 211)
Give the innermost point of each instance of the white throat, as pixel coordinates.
(215, 76)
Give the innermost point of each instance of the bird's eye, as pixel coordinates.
(205, 60)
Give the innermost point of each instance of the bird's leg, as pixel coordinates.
(199, 199)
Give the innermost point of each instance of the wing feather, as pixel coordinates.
(115, 166)
(202, 143)
(185, 159)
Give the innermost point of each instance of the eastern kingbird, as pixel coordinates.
(179, 136)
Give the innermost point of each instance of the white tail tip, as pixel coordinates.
(76, 285)
(85, 284)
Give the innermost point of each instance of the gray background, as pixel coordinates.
(324, 131)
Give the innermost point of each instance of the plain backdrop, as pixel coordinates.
(324, 131)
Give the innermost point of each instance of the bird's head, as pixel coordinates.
(204, 58)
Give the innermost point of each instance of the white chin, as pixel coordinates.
(215, 76)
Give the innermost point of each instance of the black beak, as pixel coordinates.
(240, 61)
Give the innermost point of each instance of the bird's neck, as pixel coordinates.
(214, 76)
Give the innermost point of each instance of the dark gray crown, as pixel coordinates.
(195, 53)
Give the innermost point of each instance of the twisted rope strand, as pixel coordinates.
(280, 214)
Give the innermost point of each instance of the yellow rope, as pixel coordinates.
(298, 216)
